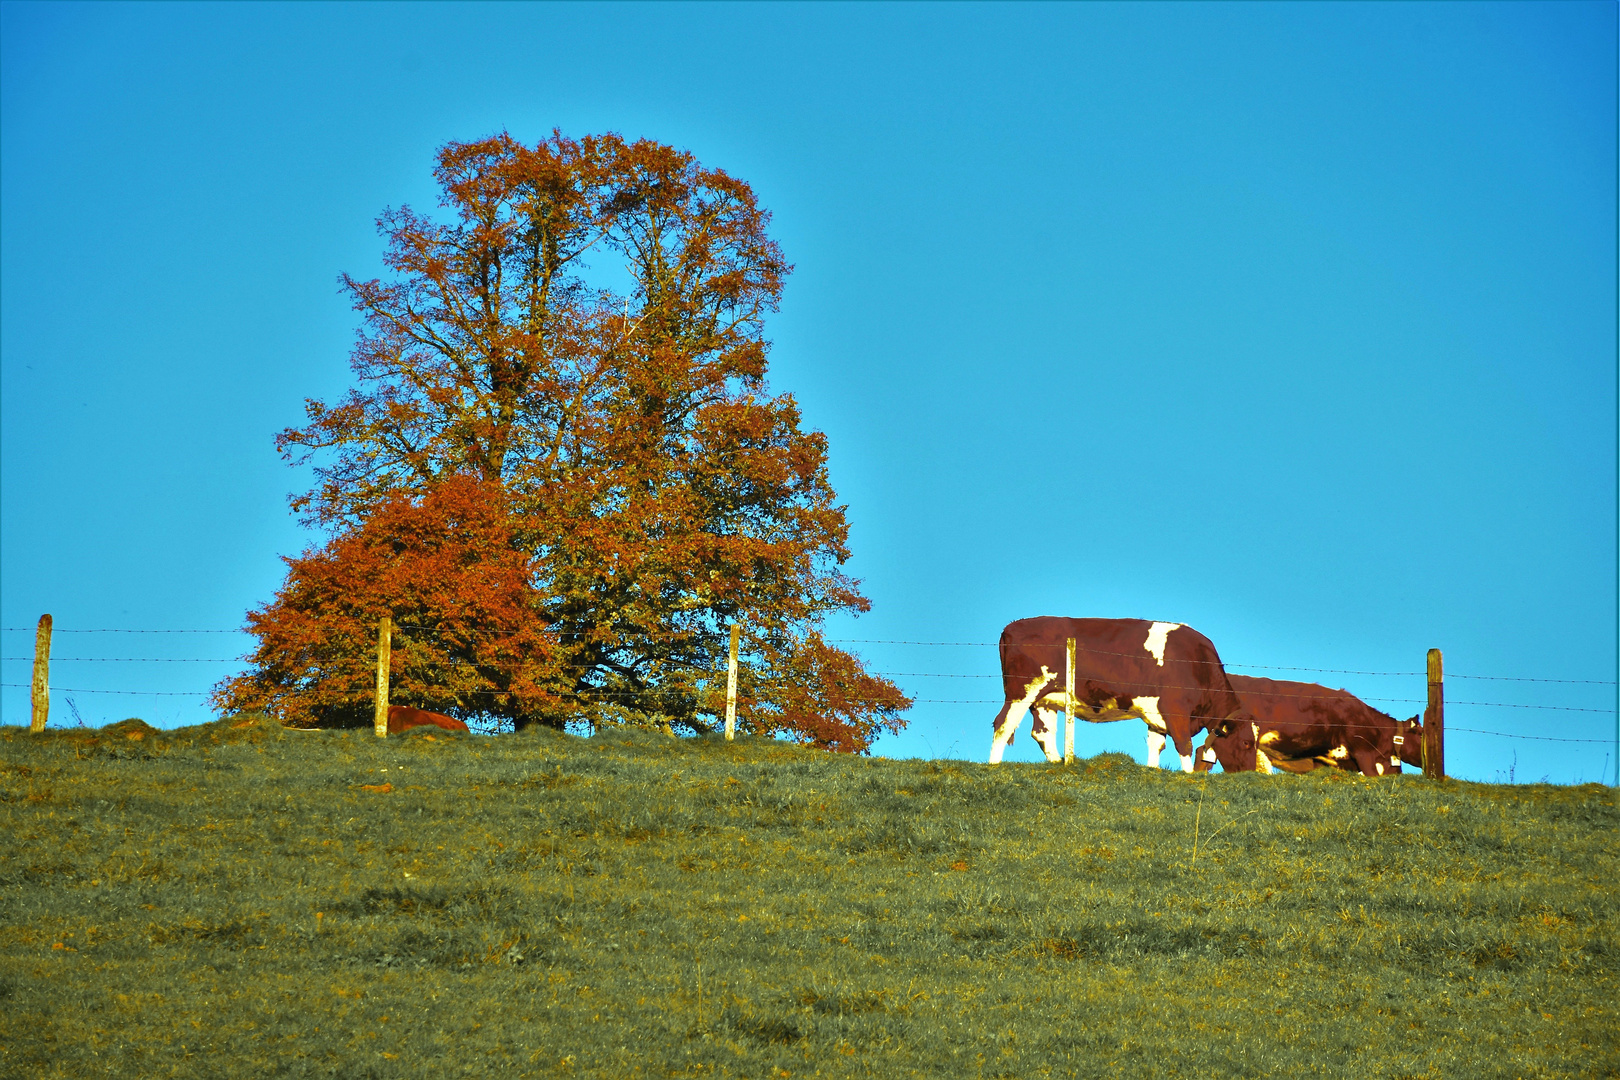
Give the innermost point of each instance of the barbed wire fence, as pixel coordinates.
(986, 678)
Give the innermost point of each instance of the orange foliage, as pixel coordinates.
(446, 563)
(564, 494)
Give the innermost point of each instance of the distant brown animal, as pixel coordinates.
(404, 717)
(1299, 725)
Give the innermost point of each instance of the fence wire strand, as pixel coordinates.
(110, 630)
(609, 696)
(133, 660)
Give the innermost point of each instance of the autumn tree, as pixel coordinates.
(445, 562)
(594, 448)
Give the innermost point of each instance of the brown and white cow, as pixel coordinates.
(1299, 725)
(1165, 674)
(404, 717)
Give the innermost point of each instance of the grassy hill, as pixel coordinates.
(241, 900)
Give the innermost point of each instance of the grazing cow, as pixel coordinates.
(1166, 674)
(1300, 725)
(403, 718)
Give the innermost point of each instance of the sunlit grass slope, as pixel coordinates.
(240, 900)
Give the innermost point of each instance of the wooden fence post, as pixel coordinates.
(1434, 722)
(1068, 705)
(731, 685)
(42, 674)
(385, 646)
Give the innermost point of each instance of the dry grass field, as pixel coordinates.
(242, 900)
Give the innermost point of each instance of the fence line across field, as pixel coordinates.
(887, 674)
(629, 694)
(919, 701)
(1433, 737)
(1432, 740)
(875, 641)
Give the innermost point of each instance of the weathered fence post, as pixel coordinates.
(385, 647)
(731, 684)
(1434, 722)
(42, 674)
(1068, 705)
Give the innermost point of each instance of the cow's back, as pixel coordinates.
(1309, 713)
(1139, 656)
(1280, 704)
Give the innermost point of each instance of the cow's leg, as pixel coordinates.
(1012, 714)
(1369, 761)
(1148, 707)
(1044, 728)
(1179, 727)
(1155, 742)
(1003, 733)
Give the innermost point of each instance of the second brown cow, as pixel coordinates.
(1299, 725)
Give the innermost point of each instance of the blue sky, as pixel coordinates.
(1294, 323)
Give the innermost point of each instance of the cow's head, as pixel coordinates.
(1409, 742)
(1232, 743)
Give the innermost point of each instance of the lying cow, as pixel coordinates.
(1165, 674)
(1300, 725)
(404, 717)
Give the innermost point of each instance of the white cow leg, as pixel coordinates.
(1015, 716)
(1004, 734)
(1156, 743)
(998, 744)
(1184, 750)
(1048, 738)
